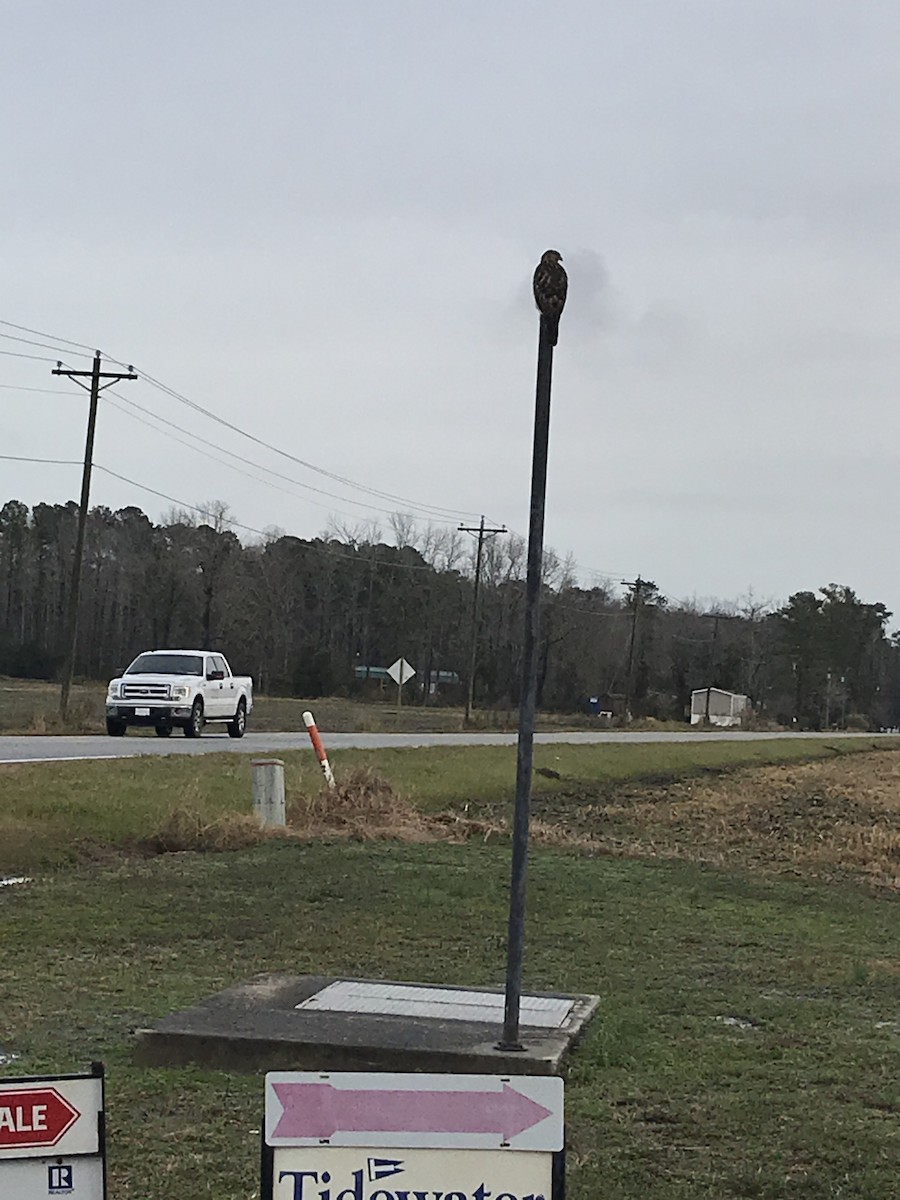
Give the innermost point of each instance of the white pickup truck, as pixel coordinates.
(190, 688)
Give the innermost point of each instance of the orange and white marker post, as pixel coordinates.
(309, 722)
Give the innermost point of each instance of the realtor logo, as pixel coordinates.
(60, 1180)
(383, 1168)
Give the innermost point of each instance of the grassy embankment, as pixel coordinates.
(748, 1020)
(55, 814)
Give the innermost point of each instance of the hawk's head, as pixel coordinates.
(551, 257)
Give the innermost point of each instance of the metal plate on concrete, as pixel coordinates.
(265, 1024)
(444, 1004)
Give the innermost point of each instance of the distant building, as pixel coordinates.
(380, 675)
(724, 708)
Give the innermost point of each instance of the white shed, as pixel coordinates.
(724, 708)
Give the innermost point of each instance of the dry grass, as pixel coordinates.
(188, 829)
(821, 819)
(364, 806)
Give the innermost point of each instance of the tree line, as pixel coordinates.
(308, 617)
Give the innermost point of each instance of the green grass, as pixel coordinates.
(748, 1026)
(666, 1097)
(59, 813)
(32, 707)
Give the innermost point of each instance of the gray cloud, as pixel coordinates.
(322, 223)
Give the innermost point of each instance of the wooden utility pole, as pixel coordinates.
(712, 669)
(95, 375)
(637, 584)
(473, 646)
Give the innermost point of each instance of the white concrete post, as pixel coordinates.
(268, 791)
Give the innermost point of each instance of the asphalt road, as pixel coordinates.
(69, 749)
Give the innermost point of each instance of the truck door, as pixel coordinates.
(229, 691)
(213, 689)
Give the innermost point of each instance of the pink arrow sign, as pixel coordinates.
(320, 1110)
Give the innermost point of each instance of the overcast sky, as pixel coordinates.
(320, 222)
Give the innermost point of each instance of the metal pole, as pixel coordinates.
(528, 701)
(75, 588)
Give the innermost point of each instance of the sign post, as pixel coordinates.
(401, 672)
(355, 1136)
(52, 1137)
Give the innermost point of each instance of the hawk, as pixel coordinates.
(550, 285)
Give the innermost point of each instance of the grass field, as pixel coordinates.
(738, 919)
(33, 708)
(54, 814)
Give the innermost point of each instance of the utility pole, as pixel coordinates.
(95, 375)
(637, 584)
(473, 647)
(712, 672)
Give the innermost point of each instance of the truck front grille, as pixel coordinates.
(145, 691)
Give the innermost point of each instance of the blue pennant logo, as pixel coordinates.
(383, 1168)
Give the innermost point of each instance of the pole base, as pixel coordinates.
(510, 1047)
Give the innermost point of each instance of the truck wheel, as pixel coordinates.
(163, 730)
(194, 727)
(239, 724)
(115, 727)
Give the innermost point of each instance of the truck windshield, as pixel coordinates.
(166, 664)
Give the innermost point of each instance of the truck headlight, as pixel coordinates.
(112, 692)
(180, 692)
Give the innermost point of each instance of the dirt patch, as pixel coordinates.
(824, 818)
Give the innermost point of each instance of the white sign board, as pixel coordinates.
(401, 672)
(361, 1175)
(372, 1136)
(51, 1137)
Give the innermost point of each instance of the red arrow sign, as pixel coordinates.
(34, 1117)
(319, 1110)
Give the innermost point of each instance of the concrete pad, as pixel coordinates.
(257, 1026)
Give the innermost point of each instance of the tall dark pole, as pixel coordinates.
(95, 375)
(712, 669)
(637, 584)
(473, 636)
(528, 701)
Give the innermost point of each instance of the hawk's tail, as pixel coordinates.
(552, 326)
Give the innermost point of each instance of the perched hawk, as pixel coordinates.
(550, 285)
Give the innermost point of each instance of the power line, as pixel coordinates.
(46, 345)
(61, 462)
(14, 387)
(247, 474)
(181, 398)
(347, 482)
(33, 357)
(257, 466)
(249, 528)
(54, 338)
